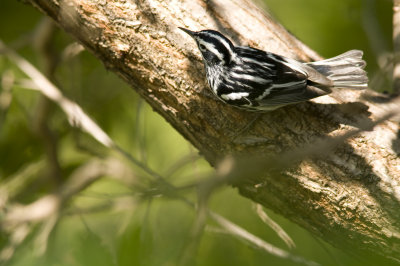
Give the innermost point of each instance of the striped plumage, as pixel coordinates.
(261, 81)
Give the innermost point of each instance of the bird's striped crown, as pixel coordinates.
(214, 47)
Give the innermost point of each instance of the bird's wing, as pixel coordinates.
(291, 80)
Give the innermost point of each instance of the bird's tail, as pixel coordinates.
(345, 70)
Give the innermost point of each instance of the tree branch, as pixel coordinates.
(350, 196)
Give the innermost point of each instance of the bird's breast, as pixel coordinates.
(214, 77)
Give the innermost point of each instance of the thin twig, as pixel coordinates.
(181, 163)
(256, 241)
(274, 226)
(42, 42)
(7, 80)
(76, 115)
(139, 134)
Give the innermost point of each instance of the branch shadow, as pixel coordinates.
(353, 167)
(357, 115)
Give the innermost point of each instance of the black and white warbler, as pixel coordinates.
(256, 80)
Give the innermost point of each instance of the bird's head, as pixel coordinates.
(214, 47)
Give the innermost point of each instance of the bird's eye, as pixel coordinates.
(202, 47)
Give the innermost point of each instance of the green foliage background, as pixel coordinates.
(154, 231)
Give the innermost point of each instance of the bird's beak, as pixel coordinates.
(191, 33)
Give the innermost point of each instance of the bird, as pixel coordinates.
(257, 80)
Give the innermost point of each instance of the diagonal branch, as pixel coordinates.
(349, 196)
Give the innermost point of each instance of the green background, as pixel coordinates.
(153, 231)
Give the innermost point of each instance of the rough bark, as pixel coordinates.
(350, 197)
